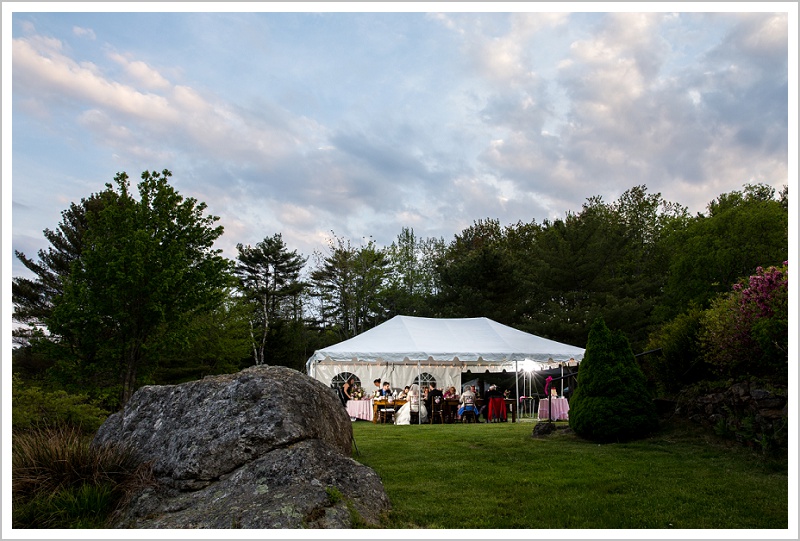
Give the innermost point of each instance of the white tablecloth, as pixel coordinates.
(560, 409)
(360, 409)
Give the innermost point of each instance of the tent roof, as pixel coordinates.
(407, 338)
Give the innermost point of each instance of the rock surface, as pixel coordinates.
(751, 414)
(267, 447)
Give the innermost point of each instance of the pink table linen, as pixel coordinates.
(360, 409)
(560, 409)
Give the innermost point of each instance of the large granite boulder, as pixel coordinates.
(267, 447)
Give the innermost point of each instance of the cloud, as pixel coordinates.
(632, 118)
(84, 32)
(44, 72)
(140, 73)
(363, 126)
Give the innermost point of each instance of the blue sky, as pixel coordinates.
(361, 123)
(293, 119)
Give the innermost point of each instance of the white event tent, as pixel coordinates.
(406, 348)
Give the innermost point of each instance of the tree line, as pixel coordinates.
(131, 291)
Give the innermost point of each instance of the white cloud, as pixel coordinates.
(84, 32)
(39, 65)
(140, 73)
(492, 116)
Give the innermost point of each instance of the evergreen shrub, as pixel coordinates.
(611, 401)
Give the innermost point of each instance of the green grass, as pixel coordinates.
(497, 476)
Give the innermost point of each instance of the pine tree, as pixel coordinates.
(611, 401)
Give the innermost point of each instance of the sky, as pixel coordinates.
(361, 119)
(358, 124)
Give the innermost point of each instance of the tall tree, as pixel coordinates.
(476, 275)
(33, 298)
(741, 231)
(147, 270)
(576, 254)
(269, 278)
(609, 260)
(349, 283)
(412, 276)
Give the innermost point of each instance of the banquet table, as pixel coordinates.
(396, 404)
(360, 409)
(560, 407)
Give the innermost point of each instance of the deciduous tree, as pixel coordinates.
(741, 231)
(147, 269)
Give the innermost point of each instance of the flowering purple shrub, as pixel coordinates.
(746, 331)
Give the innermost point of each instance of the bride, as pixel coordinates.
(403, 416)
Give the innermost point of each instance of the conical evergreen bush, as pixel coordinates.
(611, 401)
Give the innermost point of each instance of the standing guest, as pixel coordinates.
(347, 388)
(492, 410)
(377, 383)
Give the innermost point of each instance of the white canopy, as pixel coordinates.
(443, 346)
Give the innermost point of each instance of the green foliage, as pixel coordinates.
(349, 284)
(150, 271)
(476, 276)
(269, 282)
(152, 302)
(743, 229)
(745, 332)
(82, 507)
(217, 342)
(33, 407)
(611, 402)
(33, 298)
(679, 361)
(60, 480)
(412, 279)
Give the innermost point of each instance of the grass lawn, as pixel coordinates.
(497, 476)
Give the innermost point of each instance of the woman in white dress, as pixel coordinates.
(403, 416)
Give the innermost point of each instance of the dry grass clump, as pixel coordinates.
(60, 480)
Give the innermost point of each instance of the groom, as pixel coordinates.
(432, 392)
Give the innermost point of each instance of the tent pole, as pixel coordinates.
(419, 389)
(516, 388)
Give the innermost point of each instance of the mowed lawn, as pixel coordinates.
(498, 476)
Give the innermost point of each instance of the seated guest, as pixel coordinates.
(433, 392)
(402, 395)
(385, 393)
(450, 393)
(467, 403)
(403, 415)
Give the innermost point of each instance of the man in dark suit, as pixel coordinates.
(432, 392)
